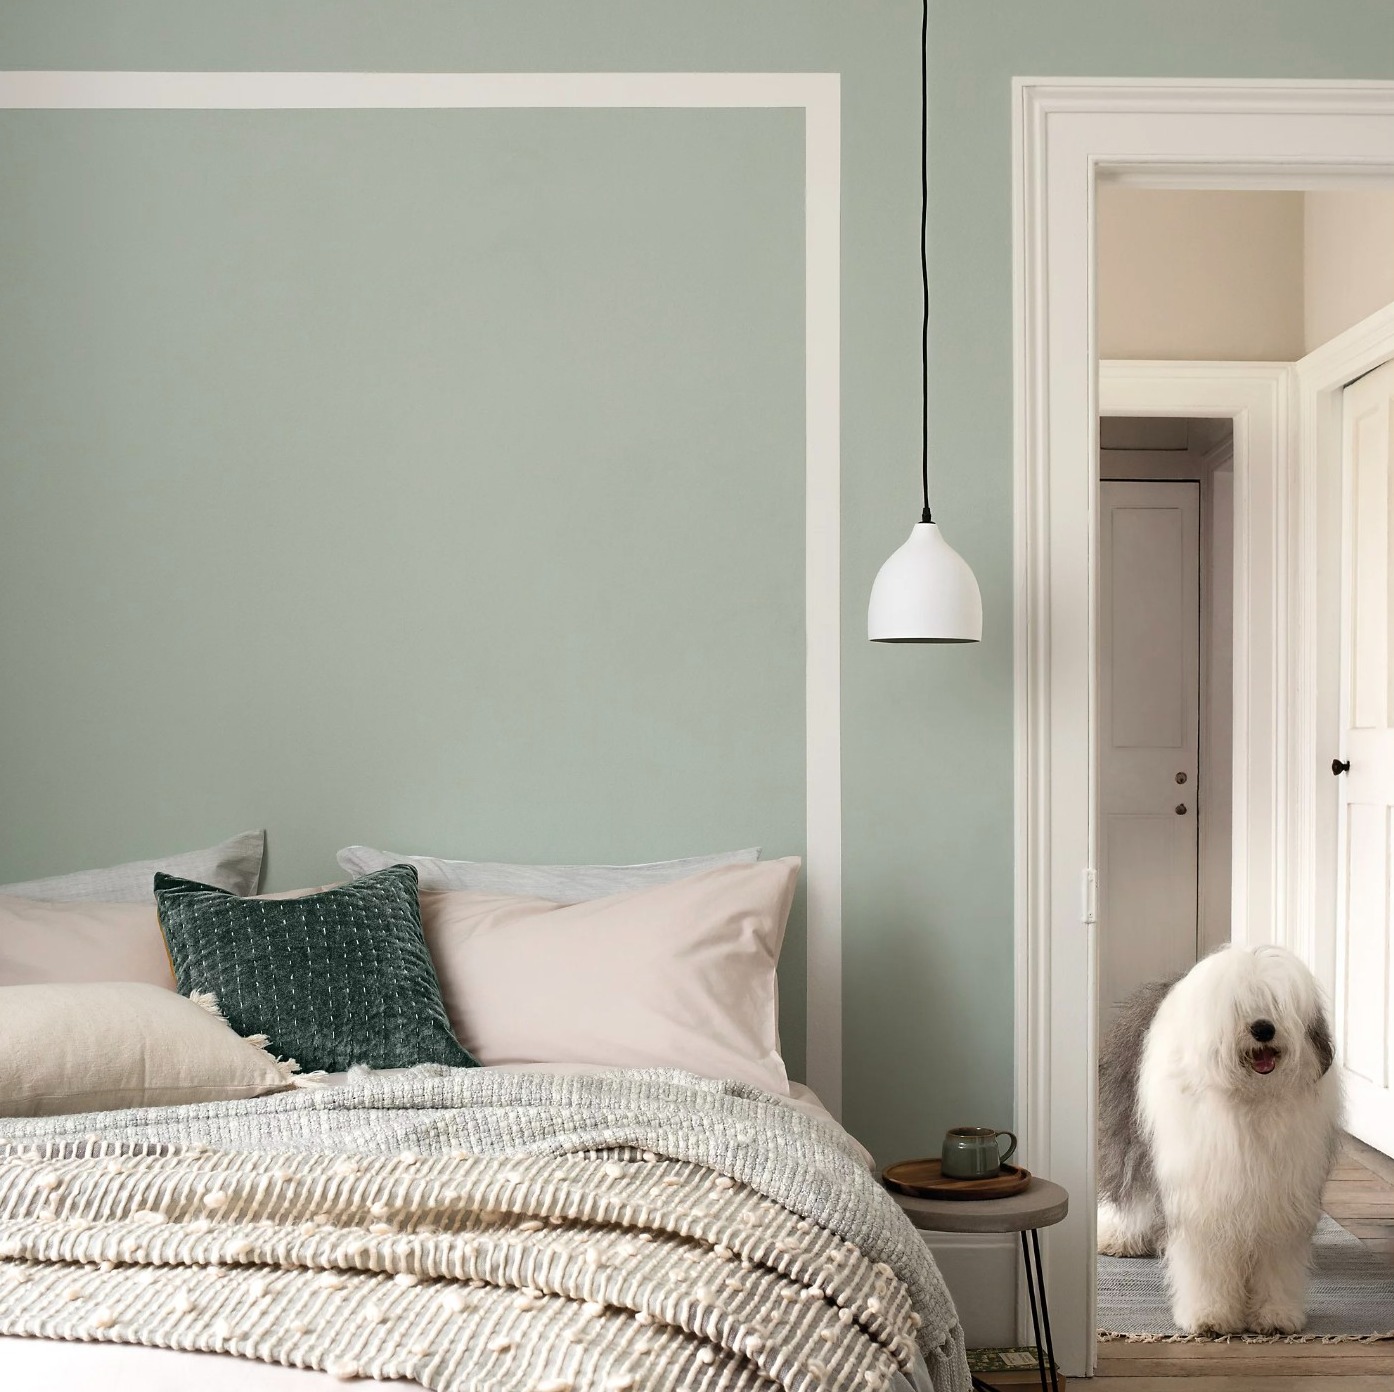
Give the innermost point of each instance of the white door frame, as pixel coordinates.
(1066, 135)
(1320, 378)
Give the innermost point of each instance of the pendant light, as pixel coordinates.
(926, 591)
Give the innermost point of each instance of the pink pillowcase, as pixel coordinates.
(44, 941)
(678, 976)
(53, 941)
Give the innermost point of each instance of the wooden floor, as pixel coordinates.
(1360, 1197)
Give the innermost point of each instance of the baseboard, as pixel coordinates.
(1377, 1161)
(1368, 1116)
(981, 1274)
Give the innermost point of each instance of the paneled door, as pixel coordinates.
(1149, 733)
(1364, 959)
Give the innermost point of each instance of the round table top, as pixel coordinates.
(1037, 1206)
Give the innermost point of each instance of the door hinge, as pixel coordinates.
(1090, 896)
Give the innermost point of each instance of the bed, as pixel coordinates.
(540, 1226)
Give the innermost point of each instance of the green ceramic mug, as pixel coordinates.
(972, 1152)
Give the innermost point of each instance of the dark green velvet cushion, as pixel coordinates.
(332, 979)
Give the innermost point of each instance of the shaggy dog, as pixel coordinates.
(1218, 1122)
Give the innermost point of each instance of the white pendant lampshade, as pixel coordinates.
(925, 593)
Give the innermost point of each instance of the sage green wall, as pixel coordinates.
(421, 478)
(927, 732)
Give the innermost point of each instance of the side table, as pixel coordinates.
(1036, 1207)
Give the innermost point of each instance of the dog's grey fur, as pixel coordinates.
(1319, 1032)
(1125, 1159)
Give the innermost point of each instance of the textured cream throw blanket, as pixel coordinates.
(472, 1229)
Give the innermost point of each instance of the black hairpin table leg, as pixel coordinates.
(1040, 1318)
(1037, 1206)
(1045, 1313)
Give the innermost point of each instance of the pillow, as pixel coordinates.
(565, 884)
(81, 941)
(678, 976)
(234, 865)
(42, 941)
(333, 979)
(99, 1046)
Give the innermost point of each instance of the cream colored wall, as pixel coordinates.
(1348, 260)
(1225, 275)
(1208, 274)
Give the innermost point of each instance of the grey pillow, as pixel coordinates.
(234, 865)
(563, 884)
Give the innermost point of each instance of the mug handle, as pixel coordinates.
(1011, 1149)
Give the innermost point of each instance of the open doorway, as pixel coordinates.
(1073, 137)
(1272, 276)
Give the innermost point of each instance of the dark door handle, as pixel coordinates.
(1339, 766)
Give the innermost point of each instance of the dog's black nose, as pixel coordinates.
(1263, 1030)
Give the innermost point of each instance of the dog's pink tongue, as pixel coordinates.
(1265, 1060)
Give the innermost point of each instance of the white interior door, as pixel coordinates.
(1364, 960)
(1149, 733)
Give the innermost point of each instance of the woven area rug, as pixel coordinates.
(1351, 1295)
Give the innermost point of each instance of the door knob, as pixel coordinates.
(1339, 766)
(1180, 809)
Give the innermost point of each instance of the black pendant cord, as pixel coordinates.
(925, 516)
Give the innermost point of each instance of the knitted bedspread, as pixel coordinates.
(478, 1229)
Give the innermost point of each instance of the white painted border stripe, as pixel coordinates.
(823, 590)
(819, 95)
(325, 90)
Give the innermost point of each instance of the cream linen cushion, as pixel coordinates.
(678, 976)
(99, 1046)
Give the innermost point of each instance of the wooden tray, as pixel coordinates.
(924, 1179)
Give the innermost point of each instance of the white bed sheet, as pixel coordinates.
(50, 1365)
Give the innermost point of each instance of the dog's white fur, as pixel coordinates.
(1239, 1157)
